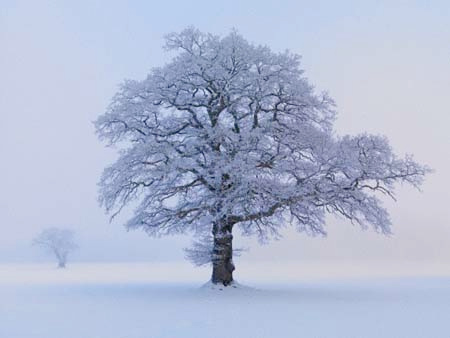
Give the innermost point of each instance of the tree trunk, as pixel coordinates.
(222, 259)
(61, 258)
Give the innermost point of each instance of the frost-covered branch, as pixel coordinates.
(201, 251)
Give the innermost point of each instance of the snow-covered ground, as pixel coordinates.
(146, 301)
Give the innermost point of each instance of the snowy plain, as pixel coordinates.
(144, 300)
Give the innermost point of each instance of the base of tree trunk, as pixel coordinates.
(232, 287)
(222, 273)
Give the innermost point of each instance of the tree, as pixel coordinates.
(229, 134)
(59, 242)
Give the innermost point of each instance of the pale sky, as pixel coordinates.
(386, 63)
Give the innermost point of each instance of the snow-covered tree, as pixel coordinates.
(231, 135)
(59, 242)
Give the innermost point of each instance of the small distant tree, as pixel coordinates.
(59, 242)
(231, 135)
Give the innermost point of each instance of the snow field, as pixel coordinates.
(81, 304)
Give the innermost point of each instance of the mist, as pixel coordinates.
(387, 66)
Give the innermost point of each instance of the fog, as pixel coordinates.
(387, 66)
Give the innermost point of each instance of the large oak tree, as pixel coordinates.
(228, 134)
